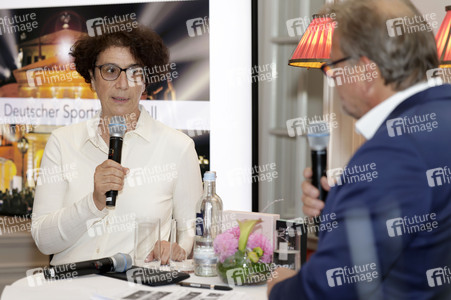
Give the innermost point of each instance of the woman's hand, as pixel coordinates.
(178, 254)
(109, 176)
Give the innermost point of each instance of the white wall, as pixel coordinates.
(433, 6)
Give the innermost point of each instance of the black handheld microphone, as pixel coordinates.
(118, 263)
(117, 130)
(318, 139)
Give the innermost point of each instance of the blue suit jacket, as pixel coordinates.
(397, 223)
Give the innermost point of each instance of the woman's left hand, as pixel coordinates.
(179, 253)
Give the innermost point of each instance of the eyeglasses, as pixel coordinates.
(111, 72)
(326, 67)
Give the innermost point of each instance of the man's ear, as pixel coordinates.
(373, 81)
(371, 72)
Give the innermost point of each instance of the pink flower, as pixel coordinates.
(225, 245)
(259, 240)
(235, 231)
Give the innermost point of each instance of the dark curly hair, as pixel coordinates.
(145, 45)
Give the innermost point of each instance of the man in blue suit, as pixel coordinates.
(392, 201)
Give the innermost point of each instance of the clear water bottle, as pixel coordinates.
(208, 226)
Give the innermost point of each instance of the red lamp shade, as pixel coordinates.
(444, 41)
(314, 48)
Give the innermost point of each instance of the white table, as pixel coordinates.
(86, 287)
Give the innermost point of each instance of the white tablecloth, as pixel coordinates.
(100, 287)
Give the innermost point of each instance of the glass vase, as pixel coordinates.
(238, 269)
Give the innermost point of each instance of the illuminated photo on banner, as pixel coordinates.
(40, 89)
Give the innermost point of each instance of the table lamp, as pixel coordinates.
(443, 40)
(314, 47)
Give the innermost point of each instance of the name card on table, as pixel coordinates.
(267, 227)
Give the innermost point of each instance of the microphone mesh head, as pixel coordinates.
(122, 262)
(117, 126)
(318, 135)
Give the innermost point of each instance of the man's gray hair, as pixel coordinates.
(403, 59)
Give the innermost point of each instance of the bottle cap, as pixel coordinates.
(210, 176)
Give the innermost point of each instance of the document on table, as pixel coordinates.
(178, 294)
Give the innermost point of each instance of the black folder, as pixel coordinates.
(147, 276)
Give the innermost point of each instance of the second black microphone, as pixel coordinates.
(318, 138)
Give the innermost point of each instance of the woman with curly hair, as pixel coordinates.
(159, 174)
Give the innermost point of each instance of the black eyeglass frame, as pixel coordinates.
(121, 70)
(329, 66)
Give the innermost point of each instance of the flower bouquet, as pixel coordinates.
(243, 258)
